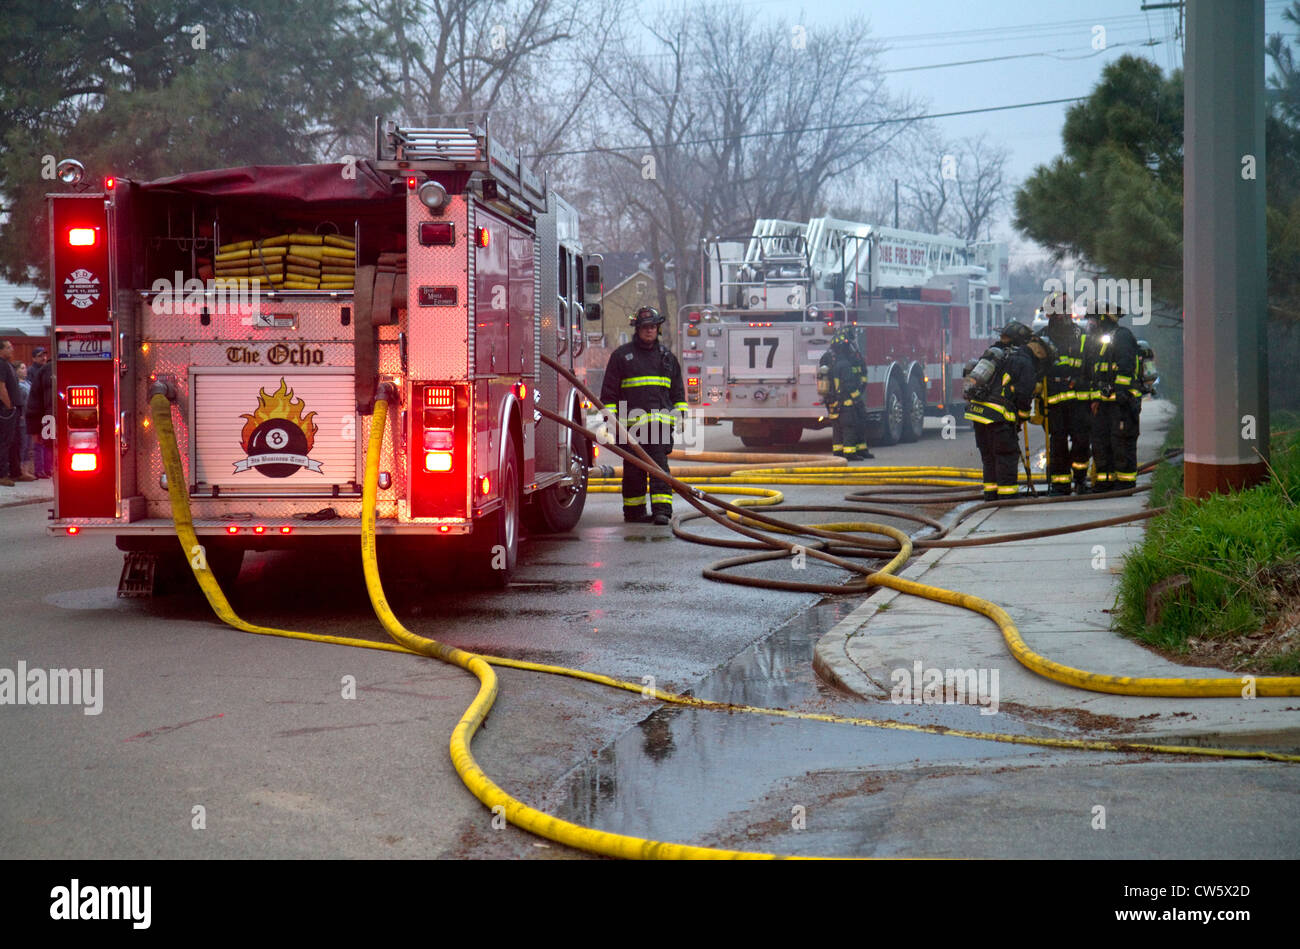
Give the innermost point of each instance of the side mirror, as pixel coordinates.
(594, 312)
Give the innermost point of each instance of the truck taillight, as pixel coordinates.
(82, 236)
(84, 461)
(438, 439)
(439, 397)
(439, 427)
(441, 432)
(693, 388)
(83, 397)
(437, 461)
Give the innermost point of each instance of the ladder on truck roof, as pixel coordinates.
(460, 149)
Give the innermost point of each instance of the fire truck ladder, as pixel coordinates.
(503, 174)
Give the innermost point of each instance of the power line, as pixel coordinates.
(1046, 52)
(814, 128)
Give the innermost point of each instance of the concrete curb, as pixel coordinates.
(21, 501)
(830, 655)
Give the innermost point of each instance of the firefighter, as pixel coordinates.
(840, 373)
(1114, 379)
(1069, 423)
(998, 398)
(643, 386)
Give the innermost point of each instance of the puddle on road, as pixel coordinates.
(679, 773)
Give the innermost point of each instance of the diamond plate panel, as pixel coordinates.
(438, 336)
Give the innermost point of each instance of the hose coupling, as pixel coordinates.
(165, 387)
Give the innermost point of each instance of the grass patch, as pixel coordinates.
(1238, 552)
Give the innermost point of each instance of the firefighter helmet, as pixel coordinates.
(1109, 311)
(1056, 303)
(1016, 332)
(647, 316)
(844, 337)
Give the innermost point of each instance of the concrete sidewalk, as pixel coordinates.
(1059, 592)
(27, 492)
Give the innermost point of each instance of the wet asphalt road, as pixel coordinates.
(213, 742)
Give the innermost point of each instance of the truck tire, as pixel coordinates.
(557, 509)
(493, 556)
(892, 415)
(757, 441)
(914, 412)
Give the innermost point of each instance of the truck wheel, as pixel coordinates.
(558, 509)
(756, 441)
(892, 418)
(492, 559)
(914, 416)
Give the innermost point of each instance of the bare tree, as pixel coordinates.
(982, 187)
(528, 65)
(729, 118)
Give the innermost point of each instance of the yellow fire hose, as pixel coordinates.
(476, 780)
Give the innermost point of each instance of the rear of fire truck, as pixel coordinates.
(272, 305)
(916, 303)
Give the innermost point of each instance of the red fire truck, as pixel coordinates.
(920, 304)
(271, 302)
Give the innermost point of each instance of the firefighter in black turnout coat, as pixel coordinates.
(1111, 365)
(1069, 419)
(643, 387)
(999, 394)
(842, 384)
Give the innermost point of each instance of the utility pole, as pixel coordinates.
(895, 204)
(1225, 364)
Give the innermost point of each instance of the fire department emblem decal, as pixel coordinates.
(81, 288)
(277, 436)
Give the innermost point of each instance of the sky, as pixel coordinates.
(1051, 43)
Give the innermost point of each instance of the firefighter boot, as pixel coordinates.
(1058, 490)
(634, 516)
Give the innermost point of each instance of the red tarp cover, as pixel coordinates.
(295, 185)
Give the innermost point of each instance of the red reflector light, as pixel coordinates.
(232, 529)
(439, 397)
(483, 237)
(85, 461)
(443, 529)
(411, 182)
(83, 397)
(74, 529)
(259, 530)
(437, 234)
(286, 529)
(437, 461)
(110, 183)
(694, 317)
(81, 237)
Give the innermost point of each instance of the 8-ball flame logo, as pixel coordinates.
(277, 437)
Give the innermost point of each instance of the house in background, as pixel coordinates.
(17, 325)
(630, 285)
